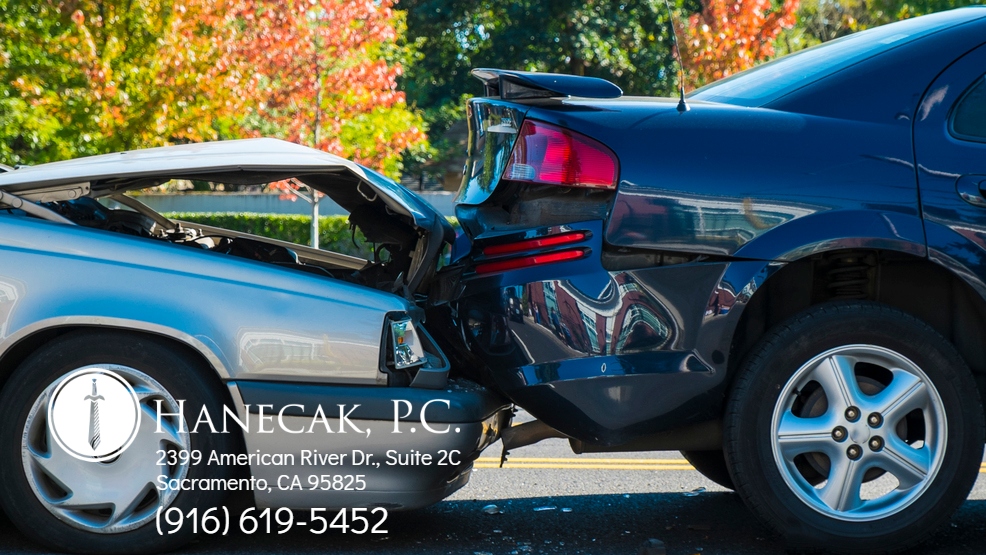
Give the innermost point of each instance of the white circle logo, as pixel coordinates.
(93, 414)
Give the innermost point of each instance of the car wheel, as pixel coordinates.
(104, 506)
(854, 427)
(712, 465)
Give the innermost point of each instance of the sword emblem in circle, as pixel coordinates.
(94, 416)
(112, 407)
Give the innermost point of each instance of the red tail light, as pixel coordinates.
(531, 244)
(548, 154)
(527, 261)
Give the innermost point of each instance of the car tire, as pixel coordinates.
(39, 481)
(813, 388)
(712, 465)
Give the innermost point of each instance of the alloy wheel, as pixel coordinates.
(858, 432)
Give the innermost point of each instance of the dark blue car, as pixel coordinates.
(785, 278)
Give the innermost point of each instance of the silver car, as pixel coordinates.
(149, 367)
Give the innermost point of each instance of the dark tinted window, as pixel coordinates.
(969, 116)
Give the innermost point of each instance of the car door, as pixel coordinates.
(950, 151)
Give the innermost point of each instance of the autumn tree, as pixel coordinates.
(728, 36)
(318, 72)
(92, 76)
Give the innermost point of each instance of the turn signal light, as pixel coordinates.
(551, 155)
(528, 261)
(406, 346)
(531, 244)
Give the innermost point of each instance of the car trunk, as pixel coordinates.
(524, 171)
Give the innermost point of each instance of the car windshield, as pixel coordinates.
(770, 81)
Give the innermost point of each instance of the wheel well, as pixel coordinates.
(909, 283)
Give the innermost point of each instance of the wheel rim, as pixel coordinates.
(113, 496)
(878, 421)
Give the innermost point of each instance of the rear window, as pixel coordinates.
(969, 116)
(772, 80)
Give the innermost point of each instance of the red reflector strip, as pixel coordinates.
(527, 261)
(530, 244)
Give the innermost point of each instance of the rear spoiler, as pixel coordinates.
(517, 85)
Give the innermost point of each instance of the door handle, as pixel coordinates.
(972, 189)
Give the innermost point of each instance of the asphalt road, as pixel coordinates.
(552, 501)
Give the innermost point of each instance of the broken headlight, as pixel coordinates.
(405, 344)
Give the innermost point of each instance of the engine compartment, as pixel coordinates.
(394, 242)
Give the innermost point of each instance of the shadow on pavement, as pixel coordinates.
(708, 523)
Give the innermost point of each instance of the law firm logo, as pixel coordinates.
(93, 414)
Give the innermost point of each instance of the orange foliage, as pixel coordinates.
(316, 72)
(728, 36)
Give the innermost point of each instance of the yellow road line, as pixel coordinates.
(586, 460)
(585, 463)
(596, 463)
(585, 466)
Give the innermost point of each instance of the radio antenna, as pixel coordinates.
(682, 105)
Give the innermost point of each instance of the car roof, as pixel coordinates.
(244, 156)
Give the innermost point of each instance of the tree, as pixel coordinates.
(824, 20)
(322, 72)
(91, 76)
(627, 42)
(75, 78)
(728, 36)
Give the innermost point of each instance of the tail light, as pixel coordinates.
(551, 155)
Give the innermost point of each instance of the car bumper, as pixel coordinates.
(408, 452)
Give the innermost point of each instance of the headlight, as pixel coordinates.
(406, 345)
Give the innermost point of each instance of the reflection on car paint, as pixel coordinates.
(10, 293)
(492, 135)
(606, 356)
(273, 352)
(619, 319)
(720, 223)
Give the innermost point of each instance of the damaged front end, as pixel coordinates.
(293, 331)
